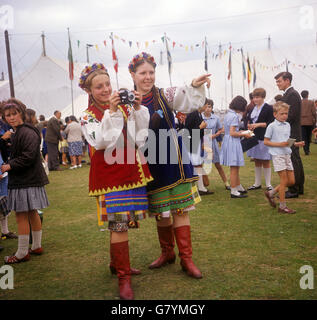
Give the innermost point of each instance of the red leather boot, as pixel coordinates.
(166, 238)
(112, 267)
(183, 240)
(120, 251)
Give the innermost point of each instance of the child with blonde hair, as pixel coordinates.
(277, 139)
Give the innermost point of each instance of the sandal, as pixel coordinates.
(37, 251)
(14, 259)
(9, 235)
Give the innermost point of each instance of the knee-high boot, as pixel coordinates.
(120, 251)
(167, 243)
(183, 240)
(112, 267)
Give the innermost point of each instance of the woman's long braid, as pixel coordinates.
(155, 119)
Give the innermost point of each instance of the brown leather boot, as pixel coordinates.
(183, 240)
(166, 238)
(120, 251)
(112, 267)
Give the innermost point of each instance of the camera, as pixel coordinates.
(126, 96)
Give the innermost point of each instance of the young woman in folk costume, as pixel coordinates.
(119, 187)
(170, 193)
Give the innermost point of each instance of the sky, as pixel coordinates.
(244, 23)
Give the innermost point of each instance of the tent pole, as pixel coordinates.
(6, 35)
(71, 80)
(71, 88)
(43, 44)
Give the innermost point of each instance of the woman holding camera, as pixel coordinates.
(170, 193)
(118, 185)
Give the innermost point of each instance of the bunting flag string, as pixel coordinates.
(218, 55)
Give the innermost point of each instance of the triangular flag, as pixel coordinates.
(70, 60)
(114, 57)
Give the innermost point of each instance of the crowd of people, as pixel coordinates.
(129, 191)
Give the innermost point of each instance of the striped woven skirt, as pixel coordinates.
(179, 199)
(122, 209)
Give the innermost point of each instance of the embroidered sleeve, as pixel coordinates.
(186, 98)
(170, 93)
(89, 126)
(104, 134)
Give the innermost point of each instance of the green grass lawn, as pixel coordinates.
(244, 248)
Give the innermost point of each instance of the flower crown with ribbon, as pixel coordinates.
(88, 70)
(139, 57)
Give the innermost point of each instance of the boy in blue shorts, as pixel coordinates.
(277, 139)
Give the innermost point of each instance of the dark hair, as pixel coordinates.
(67, 119)
(278, 97)
(304, 94)
(15, 104)
(42, 118)
(73, 118)
(30, 117)
(55, 112)
(250, 96)
(285, 75)
(238, 104)
(209, 101)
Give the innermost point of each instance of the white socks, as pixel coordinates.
(235, 191)
(36, 239)
(240, 188)
(258, 176)
(4, 225)
(267, 176)
(23, 246)
(200, 183)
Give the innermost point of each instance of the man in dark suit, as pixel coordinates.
(293, 99)
(308, 119)
(52, 137)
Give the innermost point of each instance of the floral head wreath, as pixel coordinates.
(88, 70)
(139, 57)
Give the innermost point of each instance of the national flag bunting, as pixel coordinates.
(243, 66)
(249, 70)
(254, 73)
(114, 56)
(71, 61)
(169, 57)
